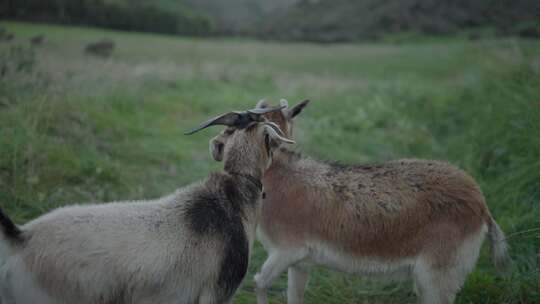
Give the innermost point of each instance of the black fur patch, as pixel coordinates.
(220, 215)
(11, 231)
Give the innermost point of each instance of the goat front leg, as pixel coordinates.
(275, 265)
(296, 284)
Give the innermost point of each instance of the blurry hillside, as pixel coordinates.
(345, 20)
(185, 17)
(308, 20)
(161, 16)
(241, 17)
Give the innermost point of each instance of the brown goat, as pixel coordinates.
(405, 218)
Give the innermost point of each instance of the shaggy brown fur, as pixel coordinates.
(405, 204)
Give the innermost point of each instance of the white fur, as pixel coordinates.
(18, 286)
(322, 254)
(88, 252)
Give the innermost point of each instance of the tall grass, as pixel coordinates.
(77, 129)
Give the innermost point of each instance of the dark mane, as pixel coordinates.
(293, 155)
(353, 167)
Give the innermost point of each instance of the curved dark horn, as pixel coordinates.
(239, 120)
(227, 119)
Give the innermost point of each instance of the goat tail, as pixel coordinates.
(10, 230)
(498, 245)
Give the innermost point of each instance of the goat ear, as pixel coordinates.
(284, 103)
(262, 104)
(297, 109)
(216, 149)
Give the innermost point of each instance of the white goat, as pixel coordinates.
(406, 218)
(189, 247)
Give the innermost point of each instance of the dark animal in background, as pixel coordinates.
(103, 48)
(37, 40)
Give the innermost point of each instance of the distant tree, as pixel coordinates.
(131, 15)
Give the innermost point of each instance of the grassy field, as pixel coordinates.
(76, 128)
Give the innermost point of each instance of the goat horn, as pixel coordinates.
(234, 119)
(278, 132)
(227, 119)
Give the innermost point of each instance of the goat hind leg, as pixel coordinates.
(438, 286)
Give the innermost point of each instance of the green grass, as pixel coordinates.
(75, 128)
